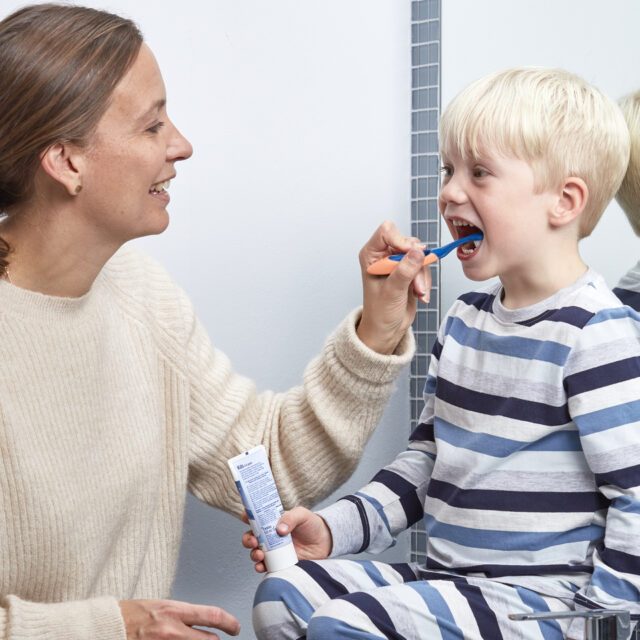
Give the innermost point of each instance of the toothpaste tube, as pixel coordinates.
(259, 494)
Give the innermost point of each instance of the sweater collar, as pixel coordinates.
(15, 301)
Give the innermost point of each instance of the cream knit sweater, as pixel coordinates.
(112, 406)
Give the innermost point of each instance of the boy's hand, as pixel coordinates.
(311, 536)
(390, 301)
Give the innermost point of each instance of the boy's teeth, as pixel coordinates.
(461, 223)
(470, 247)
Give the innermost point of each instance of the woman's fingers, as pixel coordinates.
(385, 240)
(422, 284)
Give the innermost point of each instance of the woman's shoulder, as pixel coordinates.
(130, 266)
(145, 291)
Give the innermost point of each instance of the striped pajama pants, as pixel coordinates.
(333, 599)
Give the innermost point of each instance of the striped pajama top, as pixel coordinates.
(526, 462)
(628, 289)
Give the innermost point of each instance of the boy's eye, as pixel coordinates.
(156, 127)
(446, 171)
(479, 172)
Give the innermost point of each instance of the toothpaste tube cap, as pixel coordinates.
(280, 558)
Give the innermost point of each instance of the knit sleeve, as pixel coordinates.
(603, 382)
(97, 618)
(371, 519)
(314, 433)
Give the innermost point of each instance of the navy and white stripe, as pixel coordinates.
(369, 600)
(628, 289)
(528, 448)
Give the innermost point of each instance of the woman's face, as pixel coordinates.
(131, 156)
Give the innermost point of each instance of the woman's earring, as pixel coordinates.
(78, 189)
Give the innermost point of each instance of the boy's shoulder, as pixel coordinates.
(481, 299)
(575, 305)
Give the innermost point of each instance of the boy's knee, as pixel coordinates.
(269, 598)
(276, 605)
(329, 622)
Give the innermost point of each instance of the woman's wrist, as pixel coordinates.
(380, 341)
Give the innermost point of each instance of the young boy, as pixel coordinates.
(628, 289)
(528, 447)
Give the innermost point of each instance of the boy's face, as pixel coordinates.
(495, 194)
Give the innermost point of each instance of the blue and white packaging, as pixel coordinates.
(256, 485)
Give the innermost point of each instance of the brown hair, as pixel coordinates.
(60, 65)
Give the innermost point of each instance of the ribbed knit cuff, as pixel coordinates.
(94, 619)
(366, 363)
(344, 522)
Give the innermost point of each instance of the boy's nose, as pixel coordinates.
(452, 191)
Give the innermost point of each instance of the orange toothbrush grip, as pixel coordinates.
(385, 266)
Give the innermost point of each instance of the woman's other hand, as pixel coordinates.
(170, 619)
(310, 533)
(390, 301)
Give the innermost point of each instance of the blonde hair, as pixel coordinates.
(629, 194)
(552, 119)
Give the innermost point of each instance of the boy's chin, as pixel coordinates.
(477, 275)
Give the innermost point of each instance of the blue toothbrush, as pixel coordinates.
(387, 265)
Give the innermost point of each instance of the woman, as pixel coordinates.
(112, 400)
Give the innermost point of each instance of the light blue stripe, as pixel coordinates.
(499, 447)
(626, 504)
(279, 590)
(608, 418)
(550, 629)
(614, 586)
(615, 313)
(439, 609)
(323, 628)
(374, 573)
(377, 506)
(426, 453)
(509, 540)
(430, 385)
(516, 347)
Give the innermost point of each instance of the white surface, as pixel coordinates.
(596, 40)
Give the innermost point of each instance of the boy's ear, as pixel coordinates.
(571, 201)
(63, 163)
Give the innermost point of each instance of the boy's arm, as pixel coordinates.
(370, 519)
(603, 390)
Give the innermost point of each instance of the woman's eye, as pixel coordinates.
(156, 127)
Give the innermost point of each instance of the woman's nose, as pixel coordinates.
(179, 147)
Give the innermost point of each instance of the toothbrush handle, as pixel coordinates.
(385, 266)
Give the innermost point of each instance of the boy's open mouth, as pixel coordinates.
(463, 229)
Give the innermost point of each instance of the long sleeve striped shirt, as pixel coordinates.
(628, 289)
(526, 463)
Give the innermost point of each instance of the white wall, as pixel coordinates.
(299, 115)
(593, 39)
